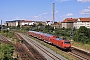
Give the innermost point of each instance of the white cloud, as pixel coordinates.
(69, 14)
(51, 12)
(45, 13)
(28, 16)
(88, 7)
(85, 11)
(61, 0)
(40, 14)
(56, 12)
(61, 16)
(16, 18)
(83, 0)
(44, 17)
(35, 16)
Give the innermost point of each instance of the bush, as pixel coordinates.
(82, 35)
(7, 51)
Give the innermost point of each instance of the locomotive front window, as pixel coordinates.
(66, 42)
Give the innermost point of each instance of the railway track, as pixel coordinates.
(4, 39)
(36, 55)
(52, 56)
(79, 54)
(23, 54)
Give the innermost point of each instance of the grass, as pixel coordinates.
(81, 45)
(1, 53)
(9, 35)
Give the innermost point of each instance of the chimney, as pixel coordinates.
(53, 13)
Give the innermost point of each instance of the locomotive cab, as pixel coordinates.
(66, 44)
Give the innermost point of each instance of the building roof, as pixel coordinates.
(47, 21)
(70, 20)
(26, 21)
(84, 19)
(59, 23)
(13, 21)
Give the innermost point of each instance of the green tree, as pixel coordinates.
(82, 35)
(18, 26)
(40, 24)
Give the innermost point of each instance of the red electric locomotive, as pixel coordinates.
(60, 42)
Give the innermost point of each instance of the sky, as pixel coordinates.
(41, 10)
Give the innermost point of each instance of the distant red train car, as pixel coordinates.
(40, 35)
(49, 37)
(55, 40)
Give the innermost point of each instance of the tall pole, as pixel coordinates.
(53, 13)
(1, 25)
